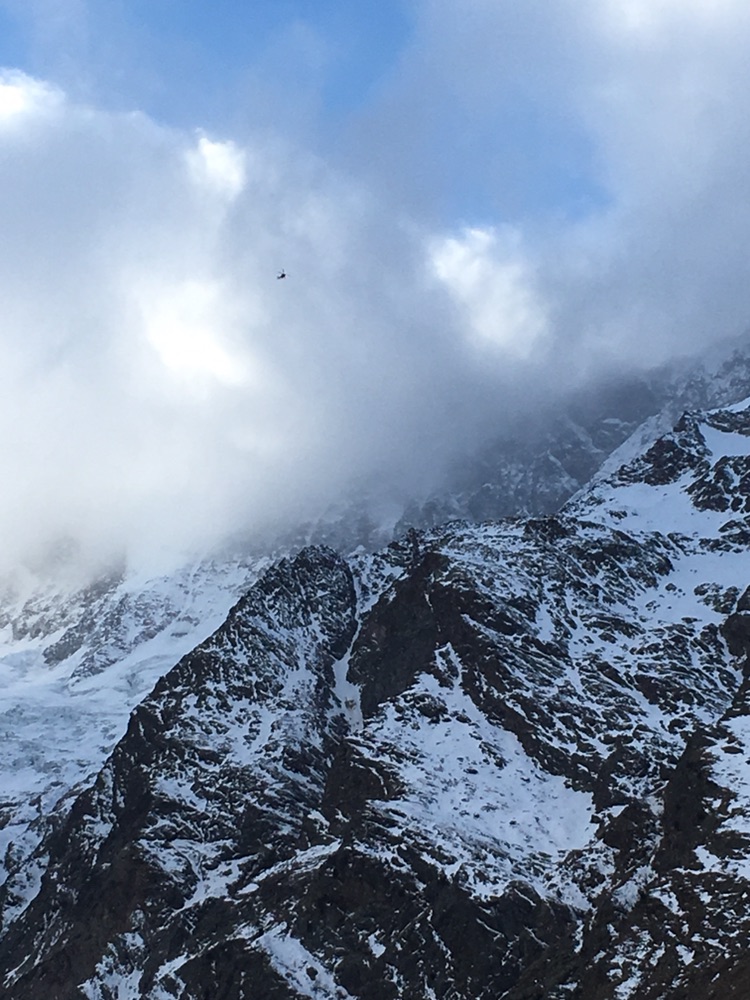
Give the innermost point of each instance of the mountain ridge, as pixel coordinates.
(483, 762)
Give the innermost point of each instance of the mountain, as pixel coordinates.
(496, 760)
(78, 653)
(75, 658)
(537, 462)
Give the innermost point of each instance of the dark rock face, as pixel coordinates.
(492, 761)
(179, 776)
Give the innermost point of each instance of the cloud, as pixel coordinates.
(160, 387)
(489, 277)
(612, 135)
(537, 194)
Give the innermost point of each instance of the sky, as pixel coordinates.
(479, 205)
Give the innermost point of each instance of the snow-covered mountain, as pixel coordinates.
(536, 463)
(74, 661)
(503, 760)
(78, 654)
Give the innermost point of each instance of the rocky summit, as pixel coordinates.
(506, 760)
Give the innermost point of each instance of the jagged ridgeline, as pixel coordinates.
(497, 760)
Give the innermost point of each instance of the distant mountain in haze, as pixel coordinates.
(538, 462)
(534, 463)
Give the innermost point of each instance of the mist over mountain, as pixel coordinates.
(564, 210)
(504, 759)
(381, 631)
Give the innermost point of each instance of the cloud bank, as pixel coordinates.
(613, 135)
(159, 384)
(536, 194)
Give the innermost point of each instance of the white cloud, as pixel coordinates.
(158, 381)
(650, 18)
(21, 96)
(186, 325)
(160, 385)
(218, 166)
(487, 275)
(614, 136)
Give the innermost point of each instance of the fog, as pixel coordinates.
(534, 196)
